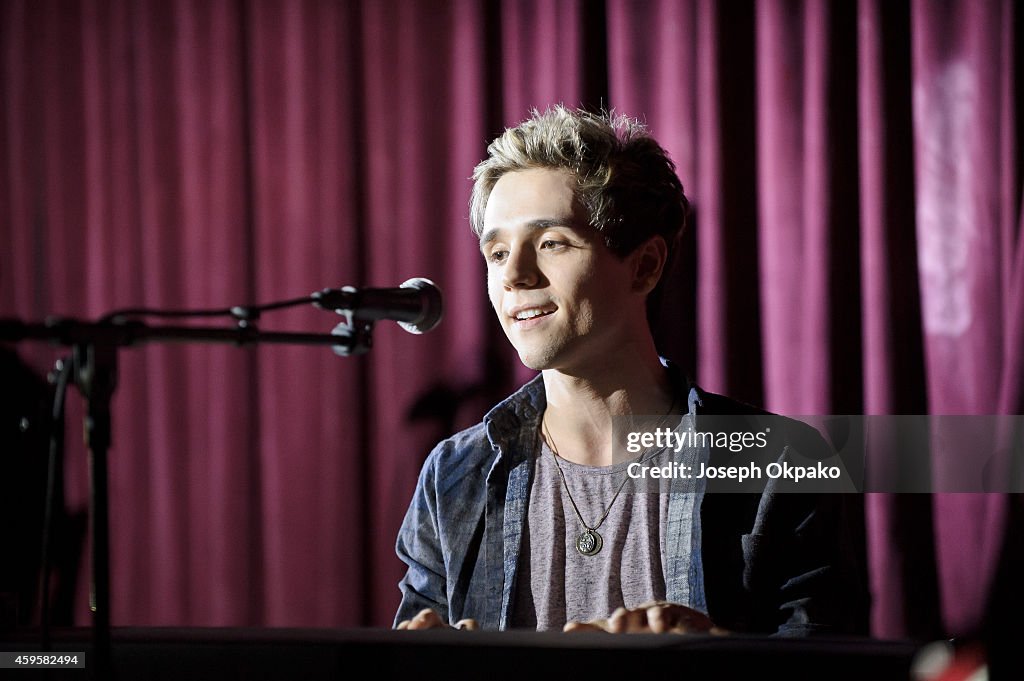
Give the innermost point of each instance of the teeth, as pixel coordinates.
(529, 314)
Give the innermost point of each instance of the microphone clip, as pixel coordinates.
(358, 335)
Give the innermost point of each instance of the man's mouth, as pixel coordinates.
(527, 313)
(530, 314)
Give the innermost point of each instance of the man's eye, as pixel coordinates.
(497, 256)
(552, 244)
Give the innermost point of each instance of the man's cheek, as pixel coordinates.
(494, 295)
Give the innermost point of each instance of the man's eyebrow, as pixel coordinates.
(533, 226)
(487, 237)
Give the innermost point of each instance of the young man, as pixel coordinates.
(524, 520)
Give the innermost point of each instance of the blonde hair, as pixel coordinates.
(625, 180)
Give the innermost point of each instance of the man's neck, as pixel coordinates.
(580, 406)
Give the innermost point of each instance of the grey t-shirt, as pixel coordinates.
(558, 584)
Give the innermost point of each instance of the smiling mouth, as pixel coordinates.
(530, 314)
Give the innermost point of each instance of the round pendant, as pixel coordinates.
(589, 542)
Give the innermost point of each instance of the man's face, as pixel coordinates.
(564, 300)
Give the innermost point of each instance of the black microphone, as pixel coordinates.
(416, 305)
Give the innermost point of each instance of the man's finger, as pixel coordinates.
(424, 619)
(681, 620)
(596, 625)
(625, 621)
(467, 624)
(656, 619)
(675, 619)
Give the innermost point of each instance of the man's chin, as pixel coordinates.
(563, 362)
(536, 360)
(545, 359)
(558, 354)
(531, 362)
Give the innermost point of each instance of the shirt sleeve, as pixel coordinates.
(419, 547)
(796, 569)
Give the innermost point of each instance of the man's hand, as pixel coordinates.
(428, 619)
(654, 617)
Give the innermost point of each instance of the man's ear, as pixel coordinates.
(648, 260)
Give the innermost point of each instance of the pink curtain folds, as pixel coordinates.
(969, 242)
(856, 247)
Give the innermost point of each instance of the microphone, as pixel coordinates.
(416, 305)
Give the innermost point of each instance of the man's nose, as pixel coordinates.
(520, 270)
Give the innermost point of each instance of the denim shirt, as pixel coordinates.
(462, 534)
(771, 562)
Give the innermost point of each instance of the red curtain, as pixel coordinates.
(857, 248)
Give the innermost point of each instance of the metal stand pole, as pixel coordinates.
(96, 376)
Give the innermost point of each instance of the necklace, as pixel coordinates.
(589, 541)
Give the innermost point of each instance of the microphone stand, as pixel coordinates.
(94, 352)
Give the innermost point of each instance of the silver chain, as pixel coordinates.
(554, 456)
